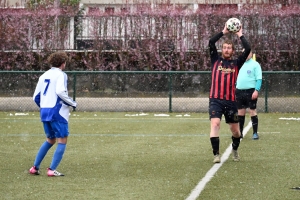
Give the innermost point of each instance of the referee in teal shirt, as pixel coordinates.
(248, 84)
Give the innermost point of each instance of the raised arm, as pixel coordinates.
(212, 44)
(247, 48)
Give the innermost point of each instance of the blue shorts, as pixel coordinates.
(219, 107)
(56, 129)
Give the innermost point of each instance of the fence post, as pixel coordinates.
(74, 88)
(170, 92)
(266, 93)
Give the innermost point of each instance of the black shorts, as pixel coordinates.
(244, 100)
(219, 107)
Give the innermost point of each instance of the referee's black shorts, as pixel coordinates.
(244, 100)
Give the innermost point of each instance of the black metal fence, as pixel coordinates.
(145, 91)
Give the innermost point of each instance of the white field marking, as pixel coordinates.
(126, 115)
(161, 115)
(141, 114)
(268, 132)
(21, 113)
(290, 118)
(113, 118)
(111, 135)
(186, 115)
(210, 174)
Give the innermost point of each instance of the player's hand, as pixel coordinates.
(75, 105)
(240, 32)
(225, 30)
(255, 95)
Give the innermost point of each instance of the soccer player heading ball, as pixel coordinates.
(222, 92)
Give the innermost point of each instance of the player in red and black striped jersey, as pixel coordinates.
(222, 91)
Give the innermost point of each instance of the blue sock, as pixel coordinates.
(41, 154)
(58, 155)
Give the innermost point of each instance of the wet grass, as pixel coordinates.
(135, 156)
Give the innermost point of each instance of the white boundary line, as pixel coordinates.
(210, 174)
(290, 118)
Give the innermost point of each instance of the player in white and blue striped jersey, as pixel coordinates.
(51, 95)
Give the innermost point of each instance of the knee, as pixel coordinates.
(235, 130)
(236, 133)
(62, 140)
(252, 112)
(215, 124)
(51, 141)
(215, 128)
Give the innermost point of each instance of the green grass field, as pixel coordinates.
(124, 156)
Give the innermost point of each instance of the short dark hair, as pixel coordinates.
(228, 42)
(56, 59)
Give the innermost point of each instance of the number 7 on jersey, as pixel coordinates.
(46, 88)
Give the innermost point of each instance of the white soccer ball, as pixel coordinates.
(233, 25)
